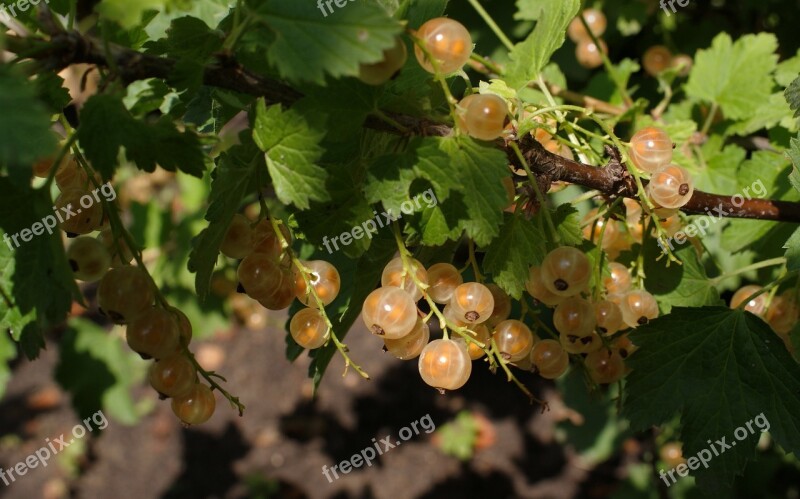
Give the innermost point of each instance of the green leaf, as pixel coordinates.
(567, 220)
(35, 278)
(234, 179)
(532, 10)
(529, 57)
(736, 76)
(684, 285)
(99, 371)
(190, 38)
(8, 352)
(718, 369)
(481, 170)
(106, 126)
(792, 95)
(25, 134)
(792, 247)
(291, 145)
(129, 13)
(519, 246)
(359, 279)
(308, 43)
(794, 156)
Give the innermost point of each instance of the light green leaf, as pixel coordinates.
(532, 10)
(792, 95)
(718, 369)
(529, 57)
(567, 220)
(309, 44)
(736, 76)
(519, 246)
(291, 145)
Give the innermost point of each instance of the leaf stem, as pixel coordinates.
(492, 25)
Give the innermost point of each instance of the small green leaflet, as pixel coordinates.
(718, 369)
(290, 142)
(519, 246)
(735, 75)
(308, 45)
(529, 57)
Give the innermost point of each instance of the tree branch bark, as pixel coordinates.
(65, 48)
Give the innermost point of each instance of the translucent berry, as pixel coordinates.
(445, 364)
(88, 259)
(70, 176)
(670, 187)
(308, 328)
(448, 42)
(672, 454)
(619, 279)
(173, 376)
(238, 241)
(389, 312)
(483, 116)
(197, 406)
(783, 313)
(184, 326)
(482, 335)
(651, 148)
(755, 306)
(638, 308)
(566, 271)
(595, 225)
(574, 316)
(608, 316)
(282, 295)
(514, 339)
(605, 366)
(472, 302)
(656, 59)
(409, 346)
(325, 280)
(575, 344)
(597, 24)
(549, 358)
(502, 305)
(265, 241)
(589, 55)
(683, 63)
(451, 317)
(378, 73)
(153, 333)
(79, 218)
(536, 288)
(624, 346)
(395, 275)
(123, 293)
(258, 274)
(443, 279)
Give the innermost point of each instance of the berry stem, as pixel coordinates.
(305, 273)
(495, 358)
(451, 101)
(623, 92)
(474, 262)
(209, 377)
